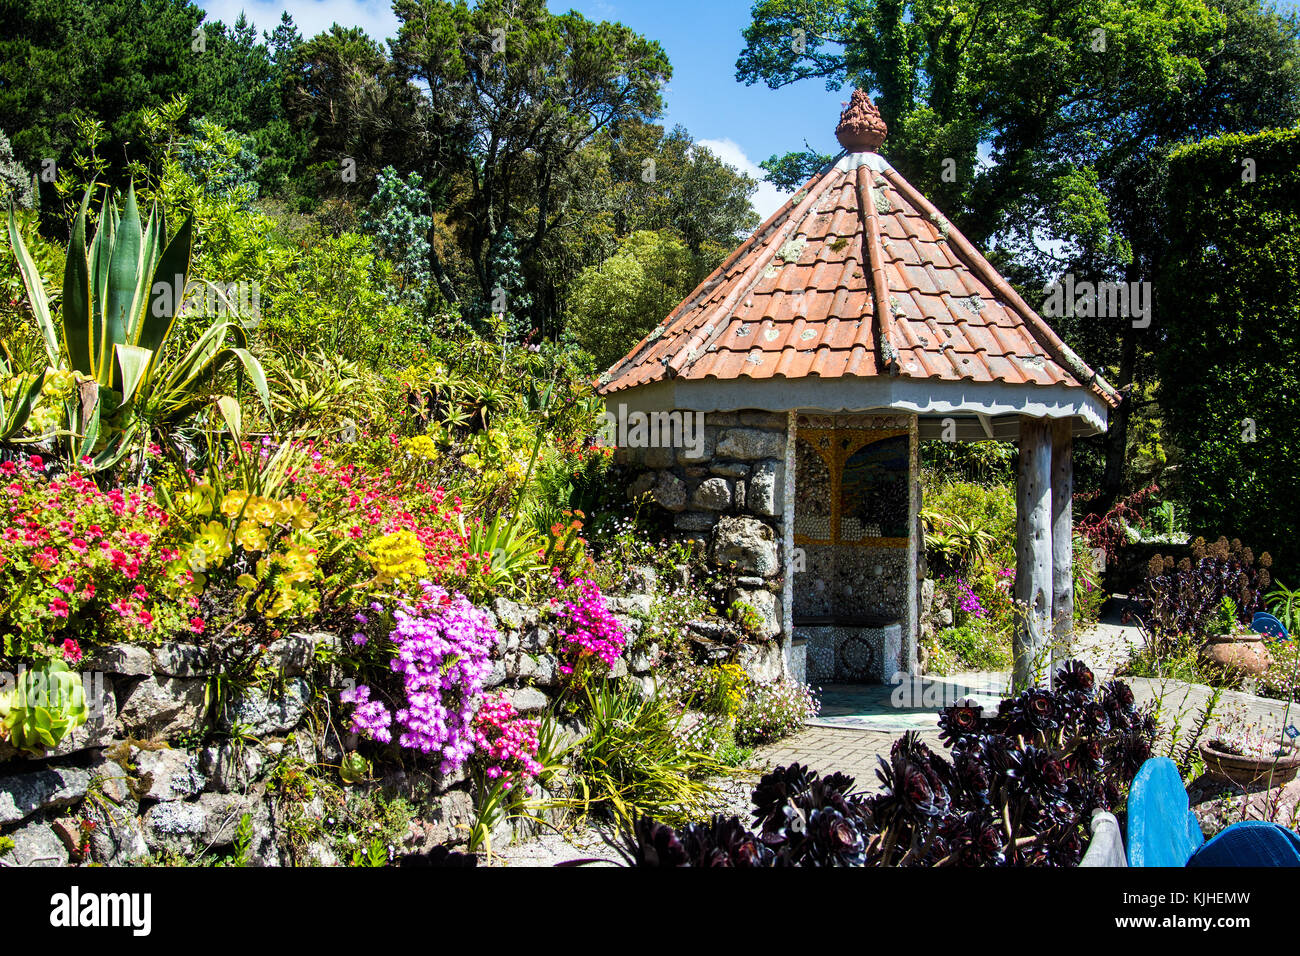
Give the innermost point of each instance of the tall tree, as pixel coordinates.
(526, 90)
(1075, 103)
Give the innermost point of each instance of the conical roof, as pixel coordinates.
(857, 275)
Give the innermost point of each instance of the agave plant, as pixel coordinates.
(18, 396)
(121, 297)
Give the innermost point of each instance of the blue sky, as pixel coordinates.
(742, 124)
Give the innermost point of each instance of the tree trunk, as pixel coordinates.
(1112, 482)
(1062, 539)
(1033, 554)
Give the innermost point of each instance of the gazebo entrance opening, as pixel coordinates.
(854, 534)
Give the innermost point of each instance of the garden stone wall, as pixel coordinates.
(730, 496)
(148, 777)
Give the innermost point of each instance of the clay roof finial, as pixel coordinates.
(861, 129)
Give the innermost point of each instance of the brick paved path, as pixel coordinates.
(828, 749)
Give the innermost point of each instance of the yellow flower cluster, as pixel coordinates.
(422, 446)
(398, 556)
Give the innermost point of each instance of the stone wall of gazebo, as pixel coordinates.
(730, 494)
(735, 494)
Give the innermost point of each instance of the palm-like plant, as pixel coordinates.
(122, 294)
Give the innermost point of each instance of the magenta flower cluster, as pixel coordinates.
(968, 600)
(507, 742)
(586, 624)
(371, 717)
(443, 646)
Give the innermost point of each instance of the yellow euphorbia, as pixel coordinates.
(398, 556)
(251, 536)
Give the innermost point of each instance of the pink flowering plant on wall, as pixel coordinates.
(441, 647)
(77, 561)
(591, 639)
(507, 743)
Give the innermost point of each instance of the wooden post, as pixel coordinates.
(1033, 554)
(1062, 539)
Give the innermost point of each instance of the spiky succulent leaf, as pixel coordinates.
(78, 330)
(35, 293)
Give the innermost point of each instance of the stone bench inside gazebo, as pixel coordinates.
(853, 323)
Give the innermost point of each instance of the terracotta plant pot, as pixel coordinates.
(1248, 771)
(1244, 653)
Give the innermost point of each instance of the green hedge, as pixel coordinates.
(1231, 286)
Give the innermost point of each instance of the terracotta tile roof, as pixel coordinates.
(800, 298)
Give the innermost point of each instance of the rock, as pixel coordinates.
(512, 616)
(131, 660)
(647, 685)
(750, 582)
(643, 578)
(767, 606)
(548, 671)
(669, 491)
(69, 834)
(36, 845)
(22, 794)
(182, 660)
(927, 595)
(944, 617)
(730, 469)
(262, 715)
(643, 658)
(739, 496)
(167, 774)
(118, 837)
(320, 853)
(212, 822)
(659, 457)
(497, 677)
(713, 494)
(765, 488)
(528, 700)
(444, 822)
(631, 625)
(296, 653)
(689, 454)
(631, 604)
(711, 629)
(745, 543)
(618, 668)
(641, 485)
(748, 444)
(161, 707)
(693, 521)
(535, 640)
(762, 662)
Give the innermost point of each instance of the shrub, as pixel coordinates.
(634, 760)
(1186, 599)
(1019, 789)
(774, 709)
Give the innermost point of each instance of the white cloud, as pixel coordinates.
(768, 199)
(311, 16)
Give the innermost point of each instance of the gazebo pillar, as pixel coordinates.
(1033, 554)
(1062, 537)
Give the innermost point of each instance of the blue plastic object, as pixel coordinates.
(1265, 623)
(1162, 831)
(1253, 843)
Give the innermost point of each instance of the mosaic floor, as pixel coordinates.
(909, 706)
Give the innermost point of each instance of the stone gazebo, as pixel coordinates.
(854, 322)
